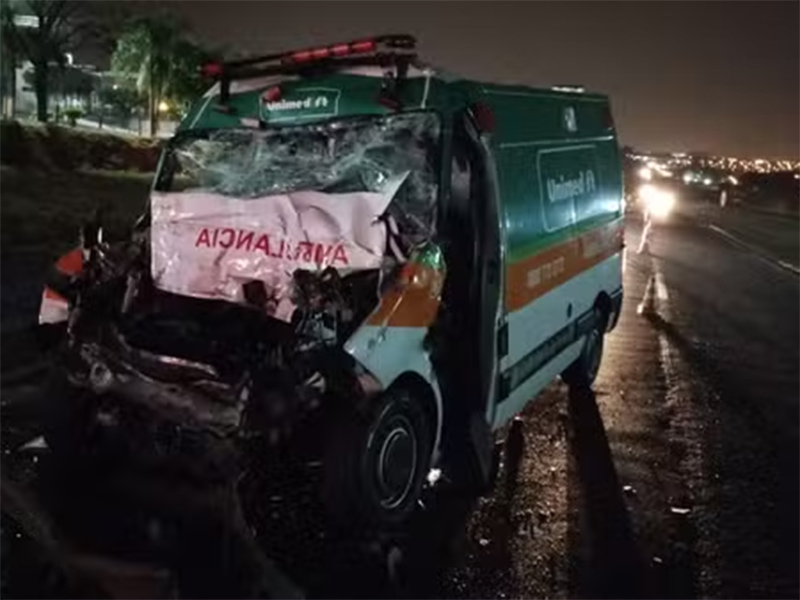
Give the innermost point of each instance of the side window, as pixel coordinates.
(460, 225)
(460, 181)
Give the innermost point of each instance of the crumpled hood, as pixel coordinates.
(207, 245)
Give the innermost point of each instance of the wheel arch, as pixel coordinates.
(427, 392)
(604, 304)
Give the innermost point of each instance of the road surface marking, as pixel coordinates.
(686, 409)
(661, 289)
(757, 252)
(647, 305)
(789, 266)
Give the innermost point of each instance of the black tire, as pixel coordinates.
(485, 488)
(377, 460)
(583, 371)
(464, 470)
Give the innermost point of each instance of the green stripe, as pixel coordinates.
(563, 140)
(527, 366)
(543, 242)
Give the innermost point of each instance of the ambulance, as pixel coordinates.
(346, 246)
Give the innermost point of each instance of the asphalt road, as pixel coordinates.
(678, 477)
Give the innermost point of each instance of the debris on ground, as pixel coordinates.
(543, 516)
(679, 510)
(37, 443)
(393, 560)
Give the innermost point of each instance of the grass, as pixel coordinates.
(44, 210)
(42, 213)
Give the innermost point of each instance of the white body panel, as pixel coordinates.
(53, 310)
(531, 326)
(526, 392)
(389, 352)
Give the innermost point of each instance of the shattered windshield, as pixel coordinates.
(347, 155)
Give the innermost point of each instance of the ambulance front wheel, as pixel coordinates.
(376, 460)
(584, 370)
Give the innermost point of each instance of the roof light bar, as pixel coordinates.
(394, 42)
(384, 49)
(336, 50)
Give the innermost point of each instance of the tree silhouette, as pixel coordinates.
(165, 64)
(60, 26)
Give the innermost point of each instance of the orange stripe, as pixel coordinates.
(51, 294)
(536, 275)
(414, 302)
(71, 263)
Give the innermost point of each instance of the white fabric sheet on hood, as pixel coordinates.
(207, 245)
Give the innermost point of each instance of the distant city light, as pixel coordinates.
(163, 106)
(646, 173)
(733, 180)
(729, 165)
(688, 177)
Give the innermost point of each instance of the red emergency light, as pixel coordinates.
(272, 94)
(484, 117)
(213, 69)
(336, 50)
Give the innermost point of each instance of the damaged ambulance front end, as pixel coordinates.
(284, 279)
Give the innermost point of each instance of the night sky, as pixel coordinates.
(721, 77)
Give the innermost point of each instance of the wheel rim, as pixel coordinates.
(396, 465)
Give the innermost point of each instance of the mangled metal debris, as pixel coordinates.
(254, 292)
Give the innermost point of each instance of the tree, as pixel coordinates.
(164, 63)
(122, 99)
(185, 82)
(10, 48)
(143, 50)
(60, 26)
